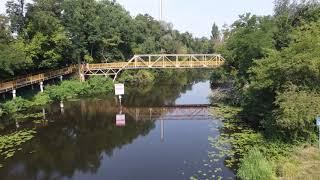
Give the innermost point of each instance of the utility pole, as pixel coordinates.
(160, 11)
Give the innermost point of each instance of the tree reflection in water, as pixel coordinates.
(79, 138)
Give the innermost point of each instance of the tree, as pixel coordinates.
(15, 10)
(250, 39)
(46, 40)
(12, 56)
(290, 15)
(215, 33)
(13, 59)
(5, 35)
(271, 79)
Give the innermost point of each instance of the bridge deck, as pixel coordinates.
(23, 81)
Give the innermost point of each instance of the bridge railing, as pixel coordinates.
(163, 61)
(32, 79)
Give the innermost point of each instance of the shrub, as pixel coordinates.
(296, 112)
(140, 77)
(67, 90)
(144, 77)
(41, 99)
(100, 84)
(219, 77)
(255, 167)
(126, 76)
(16, 105)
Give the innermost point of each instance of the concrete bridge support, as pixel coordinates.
(41, 86)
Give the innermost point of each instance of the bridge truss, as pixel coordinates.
(155, 61)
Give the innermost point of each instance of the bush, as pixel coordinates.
(67, 90)
(16, 105)
(41, 99)
(296, 112)
(99, 85)
(219, 77)
(140, 77)
(255, 167)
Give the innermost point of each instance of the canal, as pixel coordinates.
(163, 136)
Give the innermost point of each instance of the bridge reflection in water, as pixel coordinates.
(174, 112)
(152, 113)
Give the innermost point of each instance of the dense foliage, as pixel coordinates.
(273, 63)
(47, 34)
(273, 74)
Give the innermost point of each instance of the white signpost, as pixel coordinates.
(119, 91)
(120, 118)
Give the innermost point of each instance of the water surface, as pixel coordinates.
(159, 139)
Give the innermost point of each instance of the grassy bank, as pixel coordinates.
(257, 157)
(20, 109)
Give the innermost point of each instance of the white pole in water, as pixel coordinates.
(62, 107)
(162, 130)
(318, 124)
(14, 93)
(319, 136)
(41, 86)
(120, 97)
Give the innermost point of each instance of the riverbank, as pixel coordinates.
(255, 157)
(20, 109)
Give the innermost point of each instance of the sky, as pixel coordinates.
(194, 16)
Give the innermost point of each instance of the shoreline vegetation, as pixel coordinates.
(269, 88)
(255, 157)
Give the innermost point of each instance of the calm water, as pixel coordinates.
(157, 140)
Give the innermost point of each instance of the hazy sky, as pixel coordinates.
(195, 16)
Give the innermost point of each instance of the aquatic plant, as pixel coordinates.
(11, 143)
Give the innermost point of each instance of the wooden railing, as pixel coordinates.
(23, 81)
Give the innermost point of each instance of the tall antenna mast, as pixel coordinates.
(160, 10)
